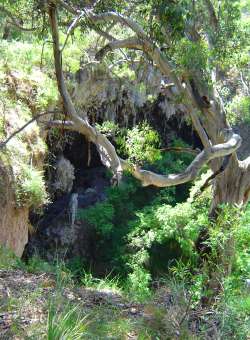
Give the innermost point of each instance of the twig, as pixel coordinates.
(45, 41)
(71, 29)
(3, 144)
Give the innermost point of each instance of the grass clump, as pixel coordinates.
(67, 324)
(31, 190)
(8, 260)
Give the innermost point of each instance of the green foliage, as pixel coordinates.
(142, 144)
(135, 224)
(107, 283)
(191, 56)
(172, 227)
(37, 265)
(139, 144)
(108, 127)
(31, 189)
(242, 239)
(8, 260)
(100, 216)
(173, 162)
(239, 110)
(138, 283)
(66, 324)
(230, 42)
(223, 229)
(234, 313)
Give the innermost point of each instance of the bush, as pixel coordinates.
(31, 190)
(142, 144)
(239, 110)
(8, 260)
(137, 284)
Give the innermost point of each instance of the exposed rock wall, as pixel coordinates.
(21, 161)
(13, 220)
(103, 96)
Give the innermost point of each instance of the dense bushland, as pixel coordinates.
(146, 239)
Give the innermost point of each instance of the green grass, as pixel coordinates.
(67, 324)
(8, 260)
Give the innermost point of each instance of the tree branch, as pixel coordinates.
(68, 7)
(212, 15)
(4, 143)
(67, 125)
(131, 43)
(180, 149)
(106, 149)
(15, 21)
(71, 29)
(208, 154)
(118, 18)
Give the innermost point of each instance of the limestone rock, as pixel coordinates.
(13, 220)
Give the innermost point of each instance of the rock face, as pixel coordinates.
(13, 220)
(105, 97)
(61, 233)
(21, 158)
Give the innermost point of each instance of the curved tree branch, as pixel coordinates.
(107, 151)
(131, 43)
(150, 178)
(208, 154)
(71, 29)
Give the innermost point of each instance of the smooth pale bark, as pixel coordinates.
(208, 120)
(232, 185)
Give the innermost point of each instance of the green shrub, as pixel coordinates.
(31, 190)
(100, 216)
(142, 144)
(132, 214)
(8, 260)
(109, 282)
(137, 284)
(242, 250)
(239, 110)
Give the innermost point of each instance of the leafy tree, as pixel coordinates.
(193, 44)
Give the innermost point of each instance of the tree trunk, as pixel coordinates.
(231, 187)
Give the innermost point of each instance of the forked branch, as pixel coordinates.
(106, 149)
